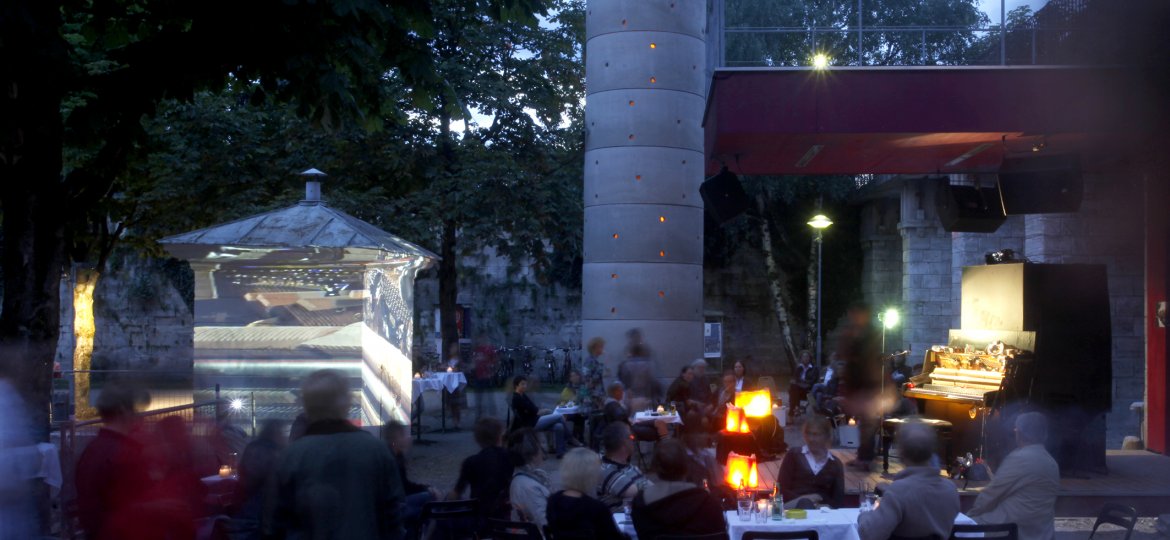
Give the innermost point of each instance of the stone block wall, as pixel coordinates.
(968, 249)
(1109, 230)
(740, 292)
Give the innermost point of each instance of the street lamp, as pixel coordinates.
(889, 319)
(819, 222)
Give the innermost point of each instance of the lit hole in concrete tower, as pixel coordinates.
(615, 235)
(653, 80)
(662, 253)
(662, 219)
(653, 45)
(631, 136)
(613, 276)
(631, 103)
(638, 177)
(662, 294)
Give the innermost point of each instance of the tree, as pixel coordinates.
(87, 72)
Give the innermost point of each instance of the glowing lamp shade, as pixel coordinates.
(742, 471)
(820, 221)
(756, 404)
(737, 421)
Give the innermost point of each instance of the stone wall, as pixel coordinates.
(1109, 230)
(926, 270)
(739, 290)
(881, 264)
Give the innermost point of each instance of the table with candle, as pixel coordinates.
(653, 416)
(451, 381)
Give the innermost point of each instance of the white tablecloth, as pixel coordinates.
(567, 410)
(839, 524)
(451, 380)
(647, 417)
(625, 525)
(418, 386)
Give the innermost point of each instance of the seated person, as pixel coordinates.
(620, 479)
(810, 475)
(679, 391)
(528, 416)
(741, 382)
(529, 490)
(1024, 488)
(397, 437)
(673, 506)
(802, 382)
(823, 393)
(577, 393)
(920, 502)
(488, 473)
(615, 410)
(573, 510)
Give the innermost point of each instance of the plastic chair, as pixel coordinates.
(998, 531)
(1116, 514)
(452, 519)
(767, 381)
(499, 529)
(780, 535)
(722, 535)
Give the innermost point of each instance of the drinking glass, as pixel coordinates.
(763, 510)
(745, 509)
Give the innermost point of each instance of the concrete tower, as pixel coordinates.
(645, 71)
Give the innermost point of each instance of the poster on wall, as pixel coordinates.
(1160, 314)
(712, 340)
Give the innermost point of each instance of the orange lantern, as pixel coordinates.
(742, 471)
(756, 404)
(736, 421)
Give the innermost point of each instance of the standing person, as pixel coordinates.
(111, 476)
(636, 373)
(593, 370)
(484, 360)
(397, 438)
(336, 481)
(529, 490)
(673, 506)
(257, 470)
(456, 400)
(810, 475)
(19, 464)
(488, 472)
(861, 379)
(1024, 488)
(620, 479)
(802, 381)
(573, 509)
(527, 415)
(920, 502)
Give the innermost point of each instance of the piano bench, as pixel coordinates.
(890, 428)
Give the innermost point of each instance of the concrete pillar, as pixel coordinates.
(926, 269)
(643, 239)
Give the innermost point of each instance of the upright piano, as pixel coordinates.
(1032, 337)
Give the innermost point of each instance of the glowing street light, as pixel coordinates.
(889, 319)
(820, 222)
(820, 61)
(237, 404)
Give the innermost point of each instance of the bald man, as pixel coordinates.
(919, 502)
(1024, 488)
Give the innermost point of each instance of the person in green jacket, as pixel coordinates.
(336, 481)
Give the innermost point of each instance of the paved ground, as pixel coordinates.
(436, 462)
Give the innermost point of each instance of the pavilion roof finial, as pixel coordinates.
(312, 187)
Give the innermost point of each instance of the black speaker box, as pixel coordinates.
(1041, 184)
(969, 209)
(724, 197)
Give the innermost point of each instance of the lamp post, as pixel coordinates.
(819, 222)
(889, 319)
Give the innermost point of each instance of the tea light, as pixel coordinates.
(225, 471)
(852, 422)
(661, 409)
(417, 375)
(449, 370)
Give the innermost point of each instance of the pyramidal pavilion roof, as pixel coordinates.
(309, 224)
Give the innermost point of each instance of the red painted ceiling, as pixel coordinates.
(920, 120)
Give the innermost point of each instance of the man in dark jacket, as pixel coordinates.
(674, 506)
(336, 481)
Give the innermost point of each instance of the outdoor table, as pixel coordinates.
(418, 386)
(566, 411)
(839, 524)
(451, 381)
(653, 417)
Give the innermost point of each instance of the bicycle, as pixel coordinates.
(550, 366)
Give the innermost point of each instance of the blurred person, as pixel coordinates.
(457, 400)
(257, 470)
(802, 382)
(679, 390)
(111, 476)
(336, 481)
(1024, 488)
(637, 374)
(704, 468)
(529, 489)
(701, 387)
(825, 394)
(811, 475)
(726, 393)
(488, 473)
(615, 409)
(484, 361)
(861, 379)
(397, 438)
(577, 393)
(620, 479)
(593, 369)
(527, 415)
(573, 509)
(19, 464)
(673, 506)
(740, 372)
(919, 502)
(176, 494)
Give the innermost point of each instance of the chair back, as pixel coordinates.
(1116, 514)
(499, 529)
(998, 531)
(780, 535)
(722, 535)
(767, 381)
(454, 519)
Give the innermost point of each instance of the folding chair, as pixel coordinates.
(997, 531)
(451, 519)
(1116, 514)
(781, 535)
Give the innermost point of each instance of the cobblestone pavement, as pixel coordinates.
(437, 461)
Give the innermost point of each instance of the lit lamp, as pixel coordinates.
(889, 319)
(225, 471)
(742, 471)
(820, 222)
(737, 421)
(755, 404)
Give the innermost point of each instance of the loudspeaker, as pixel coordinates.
(968, 208)
(1041, 184)
(724, 197)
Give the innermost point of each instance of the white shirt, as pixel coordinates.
(813, 464)
(739, 384)
(828, 375)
